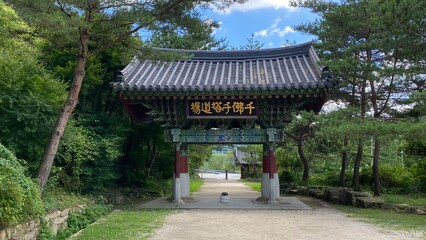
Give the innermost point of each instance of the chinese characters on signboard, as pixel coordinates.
(236, 108)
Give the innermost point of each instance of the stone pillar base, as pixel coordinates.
(177, 191)
(270, 187)
(184, 184)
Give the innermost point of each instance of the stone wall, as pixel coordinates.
(29, 231)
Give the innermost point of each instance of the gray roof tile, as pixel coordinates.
(288, 68)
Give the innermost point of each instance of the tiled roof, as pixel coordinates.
(286, 68)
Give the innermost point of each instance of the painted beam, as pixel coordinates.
(225, 136)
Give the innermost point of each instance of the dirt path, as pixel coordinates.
(322, 222)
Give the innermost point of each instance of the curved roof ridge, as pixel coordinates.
(293, 68)
(206, 55)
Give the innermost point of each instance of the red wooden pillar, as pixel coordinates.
(266, 159)
(269, 164)
(270, 185)
(181, 160)
(184, 159)
(272, 161)
(178, 162)
(182, 170)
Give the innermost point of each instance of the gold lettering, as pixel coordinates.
(227, 107)
(206, 108)
(196, 107)
(250, 107)
(238, 107)
(217, 107)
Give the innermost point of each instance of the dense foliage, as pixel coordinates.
(401, 171)
(19, 195)
(378, 66)
(198, 155)
(88, 155)
(29, 96)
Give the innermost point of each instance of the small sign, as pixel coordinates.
(218, 108)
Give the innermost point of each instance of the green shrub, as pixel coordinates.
(420, 171)
(366, 176)
(394, 179)
(81, 219)
(287, 178)
(19, 195)
(398, 179)
(328, 178)
(45, 232)
(87, 157)
(162, 186)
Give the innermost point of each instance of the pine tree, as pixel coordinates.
(91, 27)
(377, 50)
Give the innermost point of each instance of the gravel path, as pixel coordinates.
(322, 222)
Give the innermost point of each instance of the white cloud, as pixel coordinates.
(282, 32)
(257, 4)
(262, 33)
(274, 29)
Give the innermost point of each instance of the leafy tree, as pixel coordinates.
(220, 161)
(92, 27)
(198, 37)
(289, 164)
(146, 155)
(197, 157)
(88, 155)
(301, 129)
(30, 97)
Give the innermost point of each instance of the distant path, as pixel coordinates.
(322, 222)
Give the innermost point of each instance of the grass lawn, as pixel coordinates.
(126, 224)
(256, 186)
(195, 184)
(414, 200)
(387, 218)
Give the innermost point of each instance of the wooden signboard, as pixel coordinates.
(218, 108)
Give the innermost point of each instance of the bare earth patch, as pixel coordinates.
(321, 223)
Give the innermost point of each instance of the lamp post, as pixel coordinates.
(402, 158)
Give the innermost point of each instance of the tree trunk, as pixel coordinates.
(376, 175)
(357, 164)
(360, 148)
(154, 157)
(344, 162)
(304, 160)
(65, 114)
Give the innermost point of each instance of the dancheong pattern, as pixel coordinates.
(224, 136)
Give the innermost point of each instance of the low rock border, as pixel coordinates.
(56, 221)
(348, 196)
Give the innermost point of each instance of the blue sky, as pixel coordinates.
(270, 21)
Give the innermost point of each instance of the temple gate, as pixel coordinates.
(225, 97)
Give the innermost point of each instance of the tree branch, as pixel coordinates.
(63, 9)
